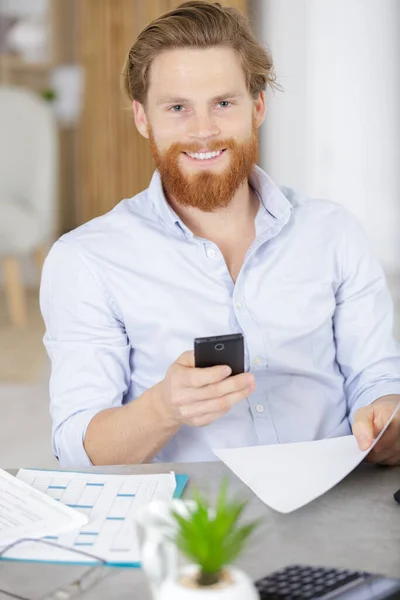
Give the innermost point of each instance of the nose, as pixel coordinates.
(203, 126)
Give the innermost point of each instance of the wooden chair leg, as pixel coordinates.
(40, 255)
(15, 294)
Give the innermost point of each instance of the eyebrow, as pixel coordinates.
(180, 100)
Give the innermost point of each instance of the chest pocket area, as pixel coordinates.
(307, 303)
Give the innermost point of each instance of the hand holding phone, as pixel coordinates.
(197, 396)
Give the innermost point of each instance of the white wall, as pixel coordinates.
(283, 134)
(20, 8)
(335, 131)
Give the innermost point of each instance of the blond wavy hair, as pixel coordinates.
(197, 24)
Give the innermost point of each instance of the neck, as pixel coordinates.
(224, 224)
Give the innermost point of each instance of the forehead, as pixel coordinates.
(196, 71)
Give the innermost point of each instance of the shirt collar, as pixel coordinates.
(273, 203)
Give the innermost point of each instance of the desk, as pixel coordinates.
(356, 525)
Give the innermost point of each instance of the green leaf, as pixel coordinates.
(211, 536)
(237, 540)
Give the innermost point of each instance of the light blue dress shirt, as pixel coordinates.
(125, 294)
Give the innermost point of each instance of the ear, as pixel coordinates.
(259, 108)
(140, 117)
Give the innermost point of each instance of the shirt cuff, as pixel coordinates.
(372, 394)
(68, 440)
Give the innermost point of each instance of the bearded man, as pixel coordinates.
(213, 247)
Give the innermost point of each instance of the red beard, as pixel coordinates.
(206, 190)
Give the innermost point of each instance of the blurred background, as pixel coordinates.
(69, 150)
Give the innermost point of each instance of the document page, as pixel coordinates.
(26, 512)
(288, 476)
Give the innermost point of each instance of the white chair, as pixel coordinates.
(28, 187)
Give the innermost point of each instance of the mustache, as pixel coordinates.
(178, 147)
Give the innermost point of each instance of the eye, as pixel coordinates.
(226, 103)
(176, 108)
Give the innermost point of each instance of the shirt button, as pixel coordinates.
(259, 408)
(211, 253)
(239, 305)
(257, 361)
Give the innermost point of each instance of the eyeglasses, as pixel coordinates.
(89, 578)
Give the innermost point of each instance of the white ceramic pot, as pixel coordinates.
(241, 588)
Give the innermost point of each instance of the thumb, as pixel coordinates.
(186, 359)
(363, 427)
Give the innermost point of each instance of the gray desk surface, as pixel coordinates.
(355, 525)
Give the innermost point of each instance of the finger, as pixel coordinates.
(205, 420)
(189, 412)
(198, 378)
(388, 441)
(215, 405)
(235, 397)
(363, 427)
(186, 359)
(380, 457)
(244, 381)
(389, 457)
(382, 415)
(380, 454)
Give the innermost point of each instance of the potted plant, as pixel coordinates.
(48, 94)
(211, 538)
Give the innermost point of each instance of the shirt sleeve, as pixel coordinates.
(366, 351)
(87, 346)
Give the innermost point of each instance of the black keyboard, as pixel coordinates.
(300, 582)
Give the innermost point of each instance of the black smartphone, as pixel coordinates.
(220, 350)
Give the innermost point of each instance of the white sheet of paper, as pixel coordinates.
(109, 504)
(26, 512)
(288, 476)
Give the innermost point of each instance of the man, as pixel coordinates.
(213, 247)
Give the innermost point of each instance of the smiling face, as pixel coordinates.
(202, 124)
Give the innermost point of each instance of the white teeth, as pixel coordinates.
(203, 155)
